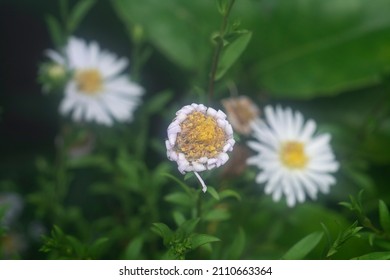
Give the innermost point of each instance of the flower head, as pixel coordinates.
(293, 161)
(199, 139)
(241, 111)
(97, 90)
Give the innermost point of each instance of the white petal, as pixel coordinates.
(122, 86)
(175, 129)
(277, 194)
(308, 131)
(275, 179)
(264, 134)
(252, 160)
(211, 112)
(289, 126)
(322, 180)
(308, 184)
(55, 56)
(298, 188)
(198, 167)
(221, 115)
(66, 105)
(261, 178)
(168, 145)
(222, 123)
(77, 53)
(119, 109)
(93, 54)
(227, 147)
(274, 123)
(289, 192)
(331, 166)
(222, 159)
(228, 130)
(78, 112)
(317, 143)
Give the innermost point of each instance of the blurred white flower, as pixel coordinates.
(97, 90)
(199, 139)
(293, 161)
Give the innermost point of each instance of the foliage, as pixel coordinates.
(96, 192)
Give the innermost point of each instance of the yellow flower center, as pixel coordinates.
(293, 155)
(200, 136)
(89, 81)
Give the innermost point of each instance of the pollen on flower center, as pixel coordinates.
(200, 136)
(293, 156)
(89, 81)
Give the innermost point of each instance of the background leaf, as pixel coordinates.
(79, 11)
(237, 246)
(201, 239)
(303, 247)
(375, 256)
(384, 216)
(320, 47)
(232, 52)
(176, 41)
(163, 230)
(55, 31)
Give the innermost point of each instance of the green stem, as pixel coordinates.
(64, 12)
(218, 50)
(199, 205)
(61, 167)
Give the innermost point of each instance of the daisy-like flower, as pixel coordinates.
(97, 90)
(198, 139)
(241, 111)
(292, 159)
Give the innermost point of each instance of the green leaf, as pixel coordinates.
(178, 29)
(303, 247)
(158, 101)
(213, 193)
(180, 198)
(232, 52)
(133, 249)
(100, 161)
(178, 217)
(223, 6)
(97, 247)
(198, 240)
(375, 256)
(184, 186)
(55, 31)
(384, 216)
(78, 13)
(333, 46)
(188, 176)
(343, 237)
(163, 230)
(229, 193)
(218, 214)
(187, 228)
(237, 246)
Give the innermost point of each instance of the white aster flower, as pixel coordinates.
(199, 139)
(97, 91)
(293, 161)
